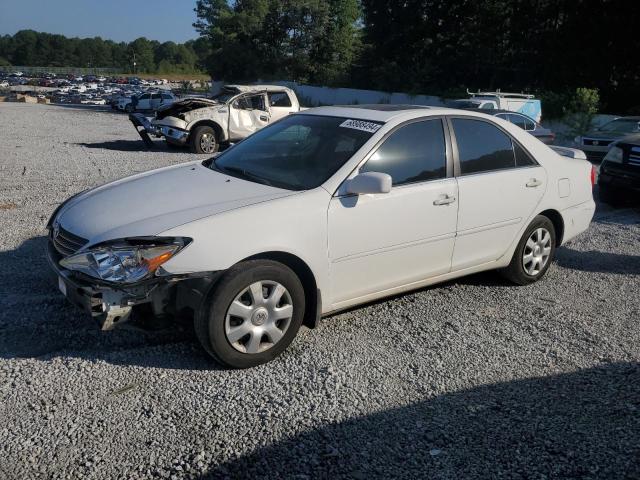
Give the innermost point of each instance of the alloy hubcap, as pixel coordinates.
(207, 143)
(537, 251)
(258, 317)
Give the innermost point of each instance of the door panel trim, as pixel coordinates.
(490, 226)
(392, 248)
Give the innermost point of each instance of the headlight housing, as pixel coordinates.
(614, 155)
(127, 261)
(577, 140)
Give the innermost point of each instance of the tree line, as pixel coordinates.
(438, 47)
(30, 48)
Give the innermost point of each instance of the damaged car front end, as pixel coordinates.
(110, 280)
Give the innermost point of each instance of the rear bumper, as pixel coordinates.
(619, 178)
(577, 219)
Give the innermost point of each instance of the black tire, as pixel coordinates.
(210, 319)
(609, 196)
(197, 140)
(516, 272)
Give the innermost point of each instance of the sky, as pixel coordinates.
(120, 20)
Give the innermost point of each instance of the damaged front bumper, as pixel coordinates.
(145, 128)
(112, 305)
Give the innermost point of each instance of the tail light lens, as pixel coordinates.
(593, 175)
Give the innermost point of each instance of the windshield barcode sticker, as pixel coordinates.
(361, 125)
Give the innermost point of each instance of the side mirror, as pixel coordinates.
(369, 182)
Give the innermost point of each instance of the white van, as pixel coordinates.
(514, 102)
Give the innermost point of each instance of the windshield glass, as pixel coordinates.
(299, 152)
(625, 125)
(224, 97)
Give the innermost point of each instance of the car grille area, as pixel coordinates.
(596, 143)
(65, 242)
(634, 156)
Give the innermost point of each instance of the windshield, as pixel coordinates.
(624, 125)
(224, 97)
(300, 152)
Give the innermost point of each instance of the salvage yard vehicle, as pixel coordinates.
(596, 143)
(204, 124)
(619, 178)
(146, 101)
(511, 102)
(326, 209)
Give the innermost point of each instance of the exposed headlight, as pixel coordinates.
(125, 262)
(614, 155)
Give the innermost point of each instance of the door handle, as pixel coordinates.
(534, 182)
(444, 200)
(264, 118)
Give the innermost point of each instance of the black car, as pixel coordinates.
(619, 178)
(524, 122)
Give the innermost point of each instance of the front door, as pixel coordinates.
(378, 242)
(500, 185)
(247, 114)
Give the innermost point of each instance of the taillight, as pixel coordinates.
(593, 175)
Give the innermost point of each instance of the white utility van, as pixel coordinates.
(514, 102)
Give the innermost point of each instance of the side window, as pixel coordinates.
(155, 96)
(487, 106)
(252, 102)
(414, 153)
(523, 159)
(517, 120)
(482, 147)
(279, 99)
(166, 97)
(146, 96)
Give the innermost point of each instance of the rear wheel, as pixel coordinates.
(204, 140)
(252, 315)
(534, 252)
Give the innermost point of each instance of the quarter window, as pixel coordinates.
(482, 147)
(414, 153)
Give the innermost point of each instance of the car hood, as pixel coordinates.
(152, 202)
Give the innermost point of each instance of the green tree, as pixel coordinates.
(304, 40)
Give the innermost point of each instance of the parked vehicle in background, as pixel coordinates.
(619, 177)
(511, 102)
(321, 211)
(596, 143)
(204, 124)
(146, 101)
(528, 124)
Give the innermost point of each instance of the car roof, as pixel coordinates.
(380, 113)
(257, 88)
(632, 117)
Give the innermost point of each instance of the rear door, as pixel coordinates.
(156, 100)
(500, 186)
(279, 104)
(247, 114)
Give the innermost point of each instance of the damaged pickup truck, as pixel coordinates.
(204, 124)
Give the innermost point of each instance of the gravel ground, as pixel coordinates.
(470, 379)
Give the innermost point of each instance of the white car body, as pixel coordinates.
(358, 248)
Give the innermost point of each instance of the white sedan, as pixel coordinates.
(323, 210)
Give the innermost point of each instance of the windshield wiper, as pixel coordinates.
(244, 174)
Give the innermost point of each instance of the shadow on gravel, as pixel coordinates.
(583, 425)
(601, 262)
(36, 321)
(125, 145)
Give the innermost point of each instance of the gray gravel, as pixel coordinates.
(470, 379)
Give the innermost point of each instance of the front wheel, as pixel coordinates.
(204, 140)
(252, 315)
(129, 108)
(534, 253)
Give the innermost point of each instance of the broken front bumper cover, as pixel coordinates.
(144, 127)
(111, 305)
